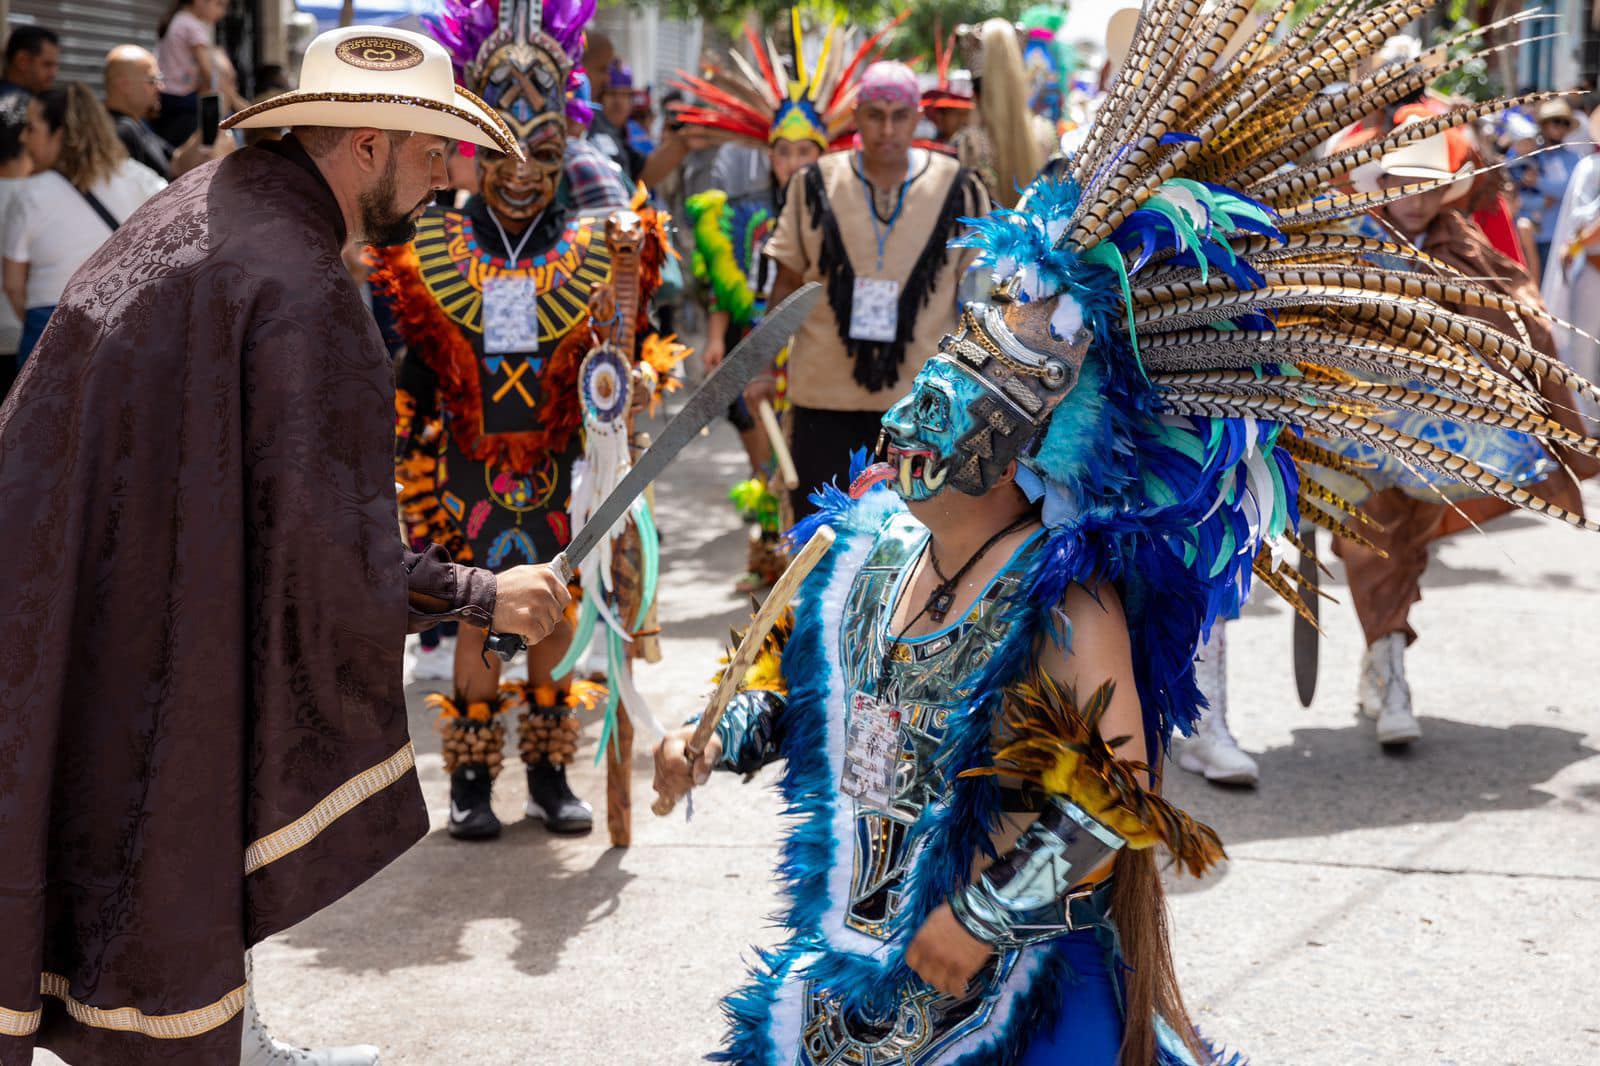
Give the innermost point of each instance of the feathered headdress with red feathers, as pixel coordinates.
(764, 104)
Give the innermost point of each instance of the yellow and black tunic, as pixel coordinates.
(487, 440)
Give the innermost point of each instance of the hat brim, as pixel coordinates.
(1415, 171)
(466, 118)
(1460, 181)
(1462, 185)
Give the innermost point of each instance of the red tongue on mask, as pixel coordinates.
(876, 474)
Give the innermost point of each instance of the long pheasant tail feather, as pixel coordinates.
(1306, 454)
(1303, 548)
(1226, 22)
(1271, 577)
(1154, 19)
(1322, 519)
(1292, 189)
(1121, 198)
(1378, 90)
(1351, 424)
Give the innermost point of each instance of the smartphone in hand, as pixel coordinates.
(210, 117)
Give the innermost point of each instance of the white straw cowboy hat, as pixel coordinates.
(382, 78)
(1428, 159)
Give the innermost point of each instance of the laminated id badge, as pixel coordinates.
(871, 751)
(875, 310)
(510, 315)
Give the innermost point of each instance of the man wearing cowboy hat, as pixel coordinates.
(203, 738)
(1385, 576)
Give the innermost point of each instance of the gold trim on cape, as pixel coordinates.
(338, 803)
(19, 1022)
(179, 1026)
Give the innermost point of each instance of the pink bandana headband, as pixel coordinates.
(891, 83)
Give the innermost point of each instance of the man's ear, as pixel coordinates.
(1009, 475)
(367, 148)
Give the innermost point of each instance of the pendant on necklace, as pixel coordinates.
(939, 604)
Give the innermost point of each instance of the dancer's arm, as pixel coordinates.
(1065, 846)
(749, 735)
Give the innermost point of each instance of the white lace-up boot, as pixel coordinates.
(1385, 695)
(260, 1048)
(1212, 752)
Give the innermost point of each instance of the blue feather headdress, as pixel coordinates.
(1243, 333)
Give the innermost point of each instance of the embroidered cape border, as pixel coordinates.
(181, 1026)
(269, 849)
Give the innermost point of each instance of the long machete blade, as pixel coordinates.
(756, 351)
(1305, 634)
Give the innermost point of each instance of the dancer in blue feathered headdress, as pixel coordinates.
(982, 676)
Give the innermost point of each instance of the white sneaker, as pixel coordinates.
(1212, 752)
(260, 1048)
(1384, 695)
(436, 665)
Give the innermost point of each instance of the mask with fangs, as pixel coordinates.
(983, 398)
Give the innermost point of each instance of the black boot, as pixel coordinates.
(552, 802)
(471, 817)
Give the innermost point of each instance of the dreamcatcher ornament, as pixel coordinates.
(605, 393)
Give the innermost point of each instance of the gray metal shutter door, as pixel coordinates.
(91, 28)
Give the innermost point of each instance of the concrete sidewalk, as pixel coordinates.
(1436, 907)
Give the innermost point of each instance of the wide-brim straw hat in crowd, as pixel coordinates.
(382, 78)
(1444, 155)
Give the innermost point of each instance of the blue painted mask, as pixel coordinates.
(921, 433)
(977, 405)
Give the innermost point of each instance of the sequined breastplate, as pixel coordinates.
(921, 677)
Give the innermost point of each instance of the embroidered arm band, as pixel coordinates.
(1054, 855)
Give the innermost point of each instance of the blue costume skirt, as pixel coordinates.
(1088, 1031)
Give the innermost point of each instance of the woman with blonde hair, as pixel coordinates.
(1007, 145)
(83, 187)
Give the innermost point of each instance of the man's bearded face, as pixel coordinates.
(385, 221)
(518, 191)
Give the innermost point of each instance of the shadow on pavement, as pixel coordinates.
(442, 886)
(1334, 780)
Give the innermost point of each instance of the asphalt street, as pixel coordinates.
(1434, 907)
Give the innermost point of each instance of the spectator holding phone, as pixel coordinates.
(83, 187)
(188, 63)
(133, 96)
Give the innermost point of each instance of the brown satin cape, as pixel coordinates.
(202, 725)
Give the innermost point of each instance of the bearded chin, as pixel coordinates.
(386, 229)
(382, 225)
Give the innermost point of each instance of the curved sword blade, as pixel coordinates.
(759, 347)
(1306, 637)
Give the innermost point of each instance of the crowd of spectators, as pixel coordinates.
(74, 166)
